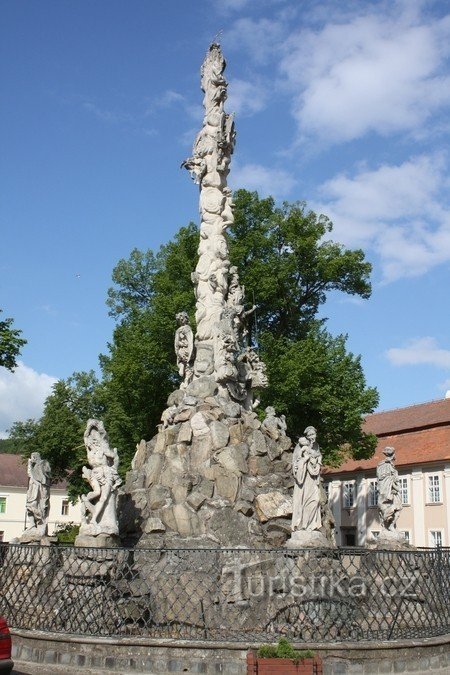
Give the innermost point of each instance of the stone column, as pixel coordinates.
(336, 507)
(361, 502)
(418, 508)
(209, 167)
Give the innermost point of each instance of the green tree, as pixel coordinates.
(139, 371)
(58, 435)
(289, 266)
(10, 344)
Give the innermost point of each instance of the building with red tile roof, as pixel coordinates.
(420, 435)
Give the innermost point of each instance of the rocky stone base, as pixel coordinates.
(392, 541)
(214, 475)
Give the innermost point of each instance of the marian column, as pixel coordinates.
(221, 352)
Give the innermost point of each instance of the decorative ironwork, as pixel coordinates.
(316, 595)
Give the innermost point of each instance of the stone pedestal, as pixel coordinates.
(308, 539)
(98, 541)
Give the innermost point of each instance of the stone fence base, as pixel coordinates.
(70, 653)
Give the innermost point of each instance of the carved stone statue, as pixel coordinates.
(221, 318)
(98, 507)
(38, 498)
(184, 348)
(273, 425)
(389, 498)
(306, 507)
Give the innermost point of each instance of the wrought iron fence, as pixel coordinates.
(317, 595)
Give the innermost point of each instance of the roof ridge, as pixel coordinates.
(406, 407)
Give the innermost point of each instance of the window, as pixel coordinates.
(349, 536)
(375, 534)
(435, 538)
(404, 494)
(2, 504)
(349, 495)
(65, 507)
(434, 489)
(373, 493)
(405, 533)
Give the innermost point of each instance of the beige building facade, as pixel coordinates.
(420, 435)
(13, 493)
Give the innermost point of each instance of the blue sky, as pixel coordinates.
(343, 104)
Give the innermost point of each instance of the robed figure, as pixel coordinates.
(38, 495)
(389, 497)
(306, 466)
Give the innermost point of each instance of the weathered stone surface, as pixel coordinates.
(185, 433)
(183, 415)
(202, 387)
(244, 507)
(136, 479)
(247, 493)
(187, 522)
(219, 434)
(231, 409)
(196, 499)
(235, 434)
(199, 424)
(176, 397)
(154, 525)
(272, 505)
(233, 459)
(98, 541)
(200, 452)
(190, 400)
(259, 466)
(274, 449)
(206, 487)
(153, 469)
(140, 455)
(258, 445)
(229, 527)
(227, 484)
(158, 496)
(307, 539)
(252, 421)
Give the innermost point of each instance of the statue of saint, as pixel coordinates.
(98, 507)
(389, 499)
(38, 496)
(306, 465)
(184, 348)
(272, 425)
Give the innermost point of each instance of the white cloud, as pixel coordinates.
(377, 72)
(261, 37)
(245, 98)
(402, 212)
(420, 351)
(275, 182)
(22, 394)
(110, 116)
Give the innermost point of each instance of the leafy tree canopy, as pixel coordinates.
(58, 435)
(10, 344)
